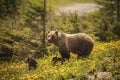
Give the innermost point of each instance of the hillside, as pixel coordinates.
(24, 26)
(58, 3)
(105, 58)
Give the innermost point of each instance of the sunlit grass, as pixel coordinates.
(103, 54)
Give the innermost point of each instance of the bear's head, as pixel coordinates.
(26, 60)
(52, 36)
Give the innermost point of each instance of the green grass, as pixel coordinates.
(102, 54)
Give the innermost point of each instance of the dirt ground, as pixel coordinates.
(79, 8)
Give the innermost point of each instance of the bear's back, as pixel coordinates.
(79, 37)
(79, 41)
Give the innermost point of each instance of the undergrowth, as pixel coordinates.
(104, 57)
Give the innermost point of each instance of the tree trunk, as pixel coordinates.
(118, 10)
(44, 26)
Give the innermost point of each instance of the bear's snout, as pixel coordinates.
(49, 40)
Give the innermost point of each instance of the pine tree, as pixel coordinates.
(108, 24)
(9, 8)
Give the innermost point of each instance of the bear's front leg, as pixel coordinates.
(65, 55)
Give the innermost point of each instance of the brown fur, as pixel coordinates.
(32, 64)
(79, 43)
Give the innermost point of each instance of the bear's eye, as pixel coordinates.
(52, 36)
(48, 36)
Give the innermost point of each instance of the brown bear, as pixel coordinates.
(79, 43)
(56, 59)
(32, 63)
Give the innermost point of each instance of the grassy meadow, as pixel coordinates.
(104, 57)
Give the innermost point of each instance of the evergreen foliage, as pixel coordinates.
(108, 25)
(10, 8)
(21, 34)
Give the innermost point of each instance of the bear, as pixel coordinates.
(78, 43)
(56, 59)
(32, 63)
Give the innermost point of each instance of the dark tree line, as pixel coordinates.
(108, 26)
(9, 8)
(21, 28)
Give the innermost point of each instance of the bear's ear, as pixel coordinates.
(56, 32)
(48, 31)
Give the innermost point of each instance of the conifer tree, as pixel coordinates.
(109, 25)
(9, 8)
